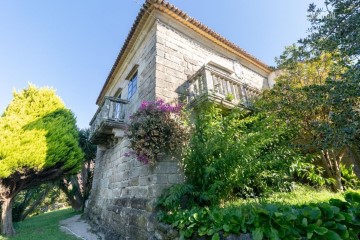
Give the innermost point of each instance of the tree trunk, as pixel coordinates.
(337, 186)
(7, 227)
(337, 157)
(37, 202)
(77, 187)
(355, 158)
(87, 172)
(331, 164)
(75, 198)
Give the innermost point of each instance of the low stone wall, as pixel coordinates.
(133, 218)
(124, 192)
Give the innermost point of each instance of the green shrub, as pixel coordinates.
(237, 154)
(336, 219)
(229, 97)
(348, 177)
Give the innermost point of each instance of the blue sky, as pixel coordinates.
(72, 45)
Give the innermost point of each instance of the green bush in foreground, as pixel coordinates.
(335, 219)
(235, 154)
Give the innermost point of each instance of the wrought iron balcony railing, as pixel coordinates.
(110, 115)
(212, 84)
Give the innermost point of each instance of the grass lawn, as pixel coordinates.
(299, 196)
(43, 227)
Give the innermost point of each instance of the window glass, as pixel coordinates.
(132, 85)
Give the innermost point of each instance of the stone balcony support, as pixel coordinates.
(108, 122)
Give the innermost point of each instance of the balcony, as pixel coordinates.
(109, 116)
(210, 83)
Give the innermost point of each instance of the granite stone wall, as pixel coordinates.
(124, 193)
(181, 52)
(142, 55)
(124, 190)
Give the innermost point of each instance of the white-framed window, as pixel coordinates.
(132, 85)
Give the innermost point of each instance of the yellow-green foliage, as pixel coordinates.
(37, 132)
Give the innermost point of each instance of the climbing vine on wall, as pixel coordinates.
(155, 128)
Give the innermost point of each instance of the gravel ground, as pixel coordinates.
(79, 228)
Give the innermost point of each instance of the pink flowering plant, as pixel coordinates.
(157, 127)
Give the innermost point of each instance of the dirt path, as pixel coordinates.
(79, 228)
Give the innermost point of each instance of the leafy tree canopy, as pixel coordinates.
(37, 132)
(38, 143)
(336, 28)
(319, 90)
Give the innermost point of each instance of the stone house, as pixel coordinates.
(172, 56)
